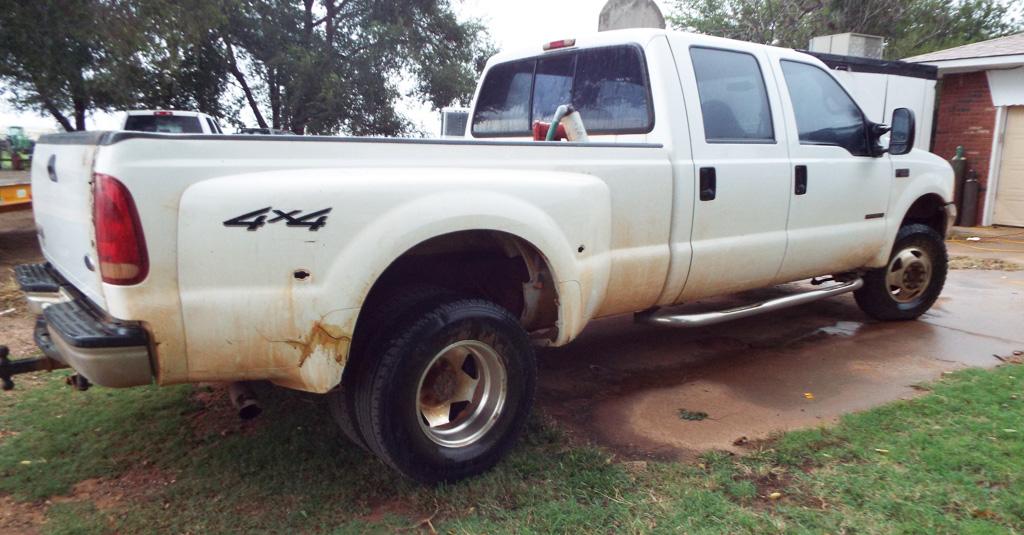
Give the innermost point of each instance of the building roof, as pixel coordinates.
(1000, 46)
(876, 66)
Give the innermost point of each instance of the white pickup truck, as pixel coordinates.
(409, 280)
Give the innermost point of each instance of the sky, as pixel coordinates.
(511, 24)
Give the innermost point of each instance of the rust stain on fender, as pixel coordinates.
(321, 359)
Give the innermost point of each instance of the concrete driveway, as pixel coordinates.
(623, 385)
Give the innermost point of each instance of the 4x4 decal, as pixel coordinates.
(257, 218)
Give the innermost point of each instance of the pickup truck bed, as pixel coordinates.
(613, 200)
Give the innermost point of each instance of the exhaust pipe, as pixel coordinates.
(243, 398)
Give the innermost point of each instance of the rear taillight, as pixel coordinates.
(120, 245)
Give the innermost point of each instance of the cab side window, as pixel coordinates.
(733, 98)
(611, 91)
(825, 113)
(504, 102)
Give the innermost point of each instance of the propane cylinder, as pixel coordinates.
(971, 189)
(959, 164)
(574, 129)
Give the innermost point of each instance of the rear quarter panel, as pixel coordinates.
(248, 316)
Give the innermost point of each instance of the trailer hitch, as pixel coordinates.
(9, 368)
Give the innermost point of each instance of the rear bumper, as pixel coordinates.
(73, 331)
(40, 286)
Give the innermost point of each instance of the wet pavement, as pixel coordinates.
(623, 385)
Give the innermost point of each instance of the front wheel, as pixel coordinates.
(450, 392)
(909, 285)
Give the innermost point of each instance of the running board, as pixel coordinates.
(652, 317)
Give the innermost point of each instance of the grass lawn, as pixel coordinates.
(174, 460)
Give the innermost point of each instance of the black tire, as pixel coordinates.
(388, 407)
(881, 300)
(381, 318)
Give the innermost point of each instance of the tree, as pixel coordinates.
(329, 66)
(70, 57)
(181, 64)
(910, 27)
(313, 66)
(53, 58)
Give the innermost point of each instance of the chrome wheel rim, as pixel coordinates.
(461, 393)
(908, 274)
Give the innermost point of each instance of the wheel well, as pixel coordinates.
(927, 210)
(492, 265)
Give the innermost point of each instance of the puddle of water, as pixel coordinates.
(842, 328)
(752, 377)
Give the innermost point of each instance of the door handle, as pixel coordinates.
(708, 184)
(801, 180)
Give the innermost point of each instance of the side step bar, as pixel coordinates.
(652, 317)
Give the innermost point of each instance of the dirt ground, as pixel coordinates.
(642, 391)
(18, 245)
(988, 247)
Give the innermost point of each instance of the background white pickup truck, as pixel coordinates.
(170, 122)
(418, 274)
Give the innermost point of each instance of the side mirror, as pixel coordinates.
(901, 137)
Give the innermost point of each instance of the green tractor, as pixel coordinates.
(16, 149)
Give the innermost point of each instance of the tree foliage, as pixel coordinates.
(71, 57)
(53, 58)
(309, 66)
(910, 27)
(178, 62)
(324, 66)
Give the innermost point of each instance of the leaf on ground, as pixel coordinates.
(693, 416)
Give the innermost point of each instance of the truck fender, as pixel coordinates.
(411, 224)
(922, 184)
(278, 299)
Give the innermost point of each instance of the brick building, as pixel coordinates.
(981, 107)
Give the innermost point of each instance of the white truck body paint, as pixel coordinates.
(222, 303)
(63, 202)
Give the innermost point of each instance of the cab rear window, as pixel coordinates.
(608, 86)
(171, 124)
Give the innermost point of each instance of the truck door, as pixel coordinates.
(742, 167)
(840, 191)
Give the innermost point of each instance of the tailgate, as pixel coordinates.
(62, 199)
